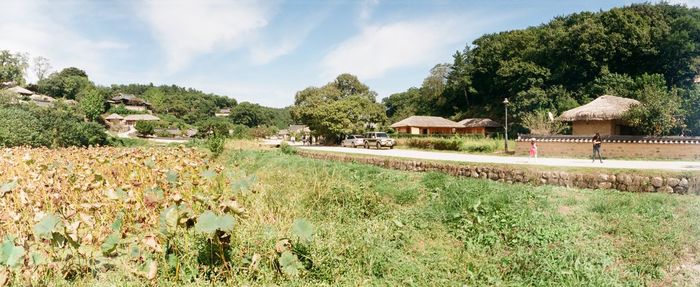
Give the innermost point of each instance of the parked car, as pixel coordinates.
(379, 140)
(353, 141)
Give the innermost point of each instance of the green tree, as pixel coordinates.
(145, 128)
(12, 67)
(92, 104)
(217, 127)
(660, 110)
(250, 115)
(67, 83)
(341, 107)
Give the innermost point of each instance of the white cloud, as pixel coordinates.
(187, 29)
(41, 28)
(689, 3)
(366, 9)
(380, 48)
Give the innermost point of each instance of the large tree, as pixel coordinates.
(67, 83)
(12, 67)
(341, 107)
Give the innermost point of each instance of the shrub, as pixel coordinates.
(287, 149)
(435, 143)
(240, 132)
(217, 127)
(145, 128)
(20, 127)
(216, 145)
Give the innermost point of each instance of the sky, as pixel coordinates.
(264, 51)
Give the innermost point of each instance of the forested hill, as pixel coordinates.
(647, 52)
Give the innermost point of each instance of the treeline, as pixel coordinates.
(647, 52)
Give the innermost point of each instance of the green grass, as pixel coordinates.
(379, 227)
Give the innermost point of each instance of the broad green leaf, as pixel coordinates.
(48, 224)
(36, 258)
(172, 177)
(209, 223)
(226, 223)
(153, 194)
(290, 264)
(208, 174)
(243, 184)
(110, 244)
(119, 222)
(11, 255)
(7, 187)
(303, 229)
(150, 163)
(168, 220)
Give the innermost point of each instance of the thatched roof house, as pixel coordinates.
(602, 115)
(20, 91)
(132, 119)
(478, 126)
(426, 125)
(114, 117)
(130, 102)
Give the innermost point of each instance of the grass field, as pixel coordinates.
(301, 222)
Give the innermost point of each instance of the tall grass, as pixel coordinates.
(457, 143)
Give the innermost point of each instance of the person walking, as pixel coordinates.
(596, 147)
(533, 149)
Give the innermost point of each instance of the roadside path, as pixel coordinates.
(563, 162)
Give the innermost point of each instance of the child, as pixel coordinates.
(533, 149)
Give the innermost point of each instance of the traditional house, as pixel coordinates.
(482, 126)
(114, 119)
(130, 102)
(131, 120)
(20, 91)
(696, 80)
(602, 115)
(299, 129)
(223, 113)
(426, 125)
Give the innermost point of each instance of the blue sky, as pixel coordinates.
(264, 51)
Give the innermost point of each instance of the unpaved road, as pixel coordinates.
(473, 158)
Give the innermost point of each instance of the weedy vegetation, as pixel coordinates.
(178, 216)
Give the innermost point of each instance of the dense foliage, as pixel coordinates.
(568, 62)
(67, 84)
(12, 67)
(187, 104)
(60, 126)
(344, 106)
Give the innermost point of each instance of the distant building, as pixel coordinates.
(426, 125)
(114, 119)
(696, 80)
(482, 126)
(131, 120)
(299, 129)
(130, 102)
(602, 115)
(27, 96)
(223, 113)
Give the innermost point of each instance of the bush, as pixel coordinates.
(55, 127)
(261, 132)
(240, 132)
(145, 128)
(217, 127)
(287, 149)
(216, 145)
(20, 127)
(436, 143)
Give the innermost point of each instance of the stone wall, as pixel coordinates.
(626, 147)
(619, 181)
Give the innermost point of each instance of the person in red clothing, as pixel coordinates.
(533, 149)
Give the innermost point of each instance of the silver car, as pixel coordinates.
(353, 141)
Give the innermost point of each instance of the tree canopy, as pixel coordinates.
(341, 107)
(568, 62)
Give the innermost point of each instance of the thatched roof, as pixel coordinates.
(114, 117)
(299, 129)
(20, 90)
(696, 79)
(603, 108)
(41, 98)
(479, 123)
(426, 122)
(142, 117)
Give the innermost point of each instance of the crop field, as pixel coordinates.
(177, 216)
